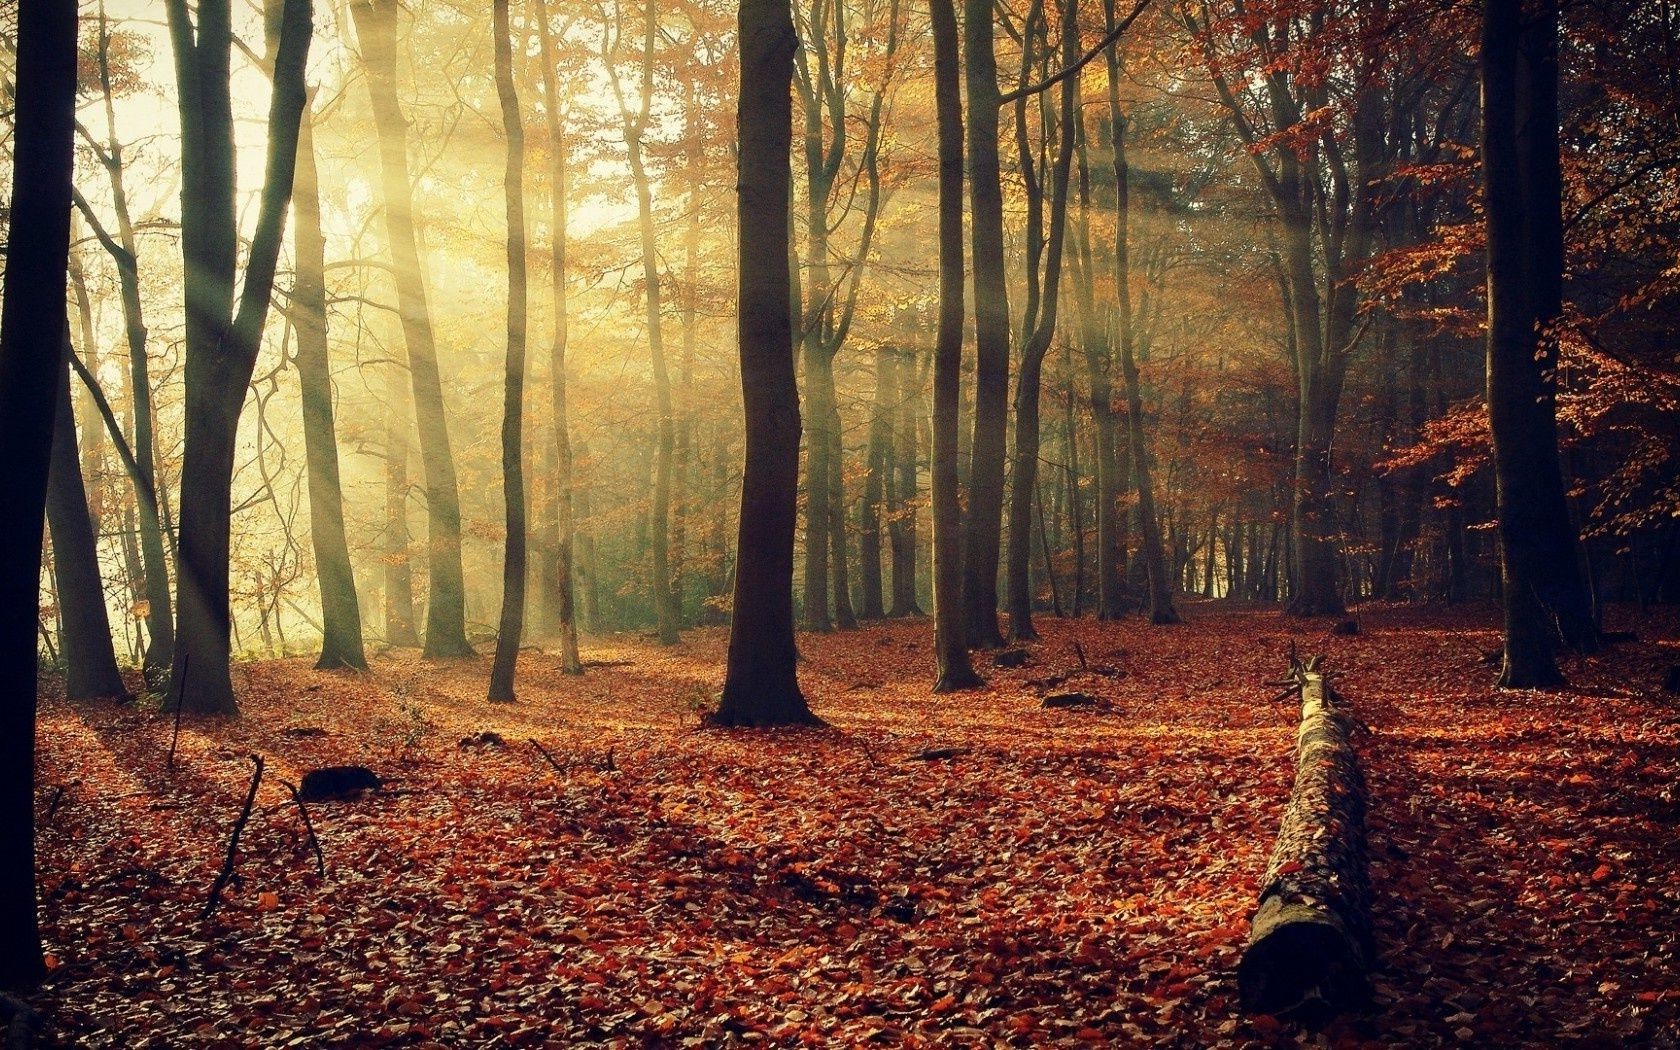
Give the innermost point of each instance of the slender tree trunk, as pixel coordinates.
(1024, 485)
(341, 616)
(159, 615)
(560, 485)
(398, 554)
(819, 391)
(901, 530)
(761, 686)
(844, 616)
(588, 567)
(221, 350)
(446, 609)
(33, 322)
(1160, 602)
(954, 671)
(876, 481)
(90, 661)
(983, 520)
(511, 629)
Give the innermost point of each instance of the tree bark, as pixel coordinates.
(761, 686)
(341, 615)
(90, 661)
(906, 457)
(511, 629)
(1030, 377)
(1544, 596)
(33, 322)
(398, 554)
(446, 611)
(983, 520)
(876, 481)
(1310, 942)
(560, 579)
(953, 668)
(221, 351)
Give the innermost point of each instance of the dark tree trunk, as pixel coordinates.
(560, 580)
(761, 687)
(341, 615)
(33, 322)
(90, 662)
(954, 671)
(221, 351)
(983, 520)
(1545, 597)
(446, 608)
(511, 629)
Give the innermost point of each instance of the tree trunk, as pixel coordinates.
(1310, 942)
(560, 484)
(876, 481)
(446, 613)
(1024, 484)
(844, 617)
(511, 629)
(1545, 599)
(341, 616)
(159, 616)
(954, 671)
(761, 686)
(983, 520)
(90, 662)
(901, 530)
(819, 390)
(221, 351)
(399, 566)
(33, 322)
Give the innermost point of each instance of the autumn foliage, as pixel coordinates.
(1066, 876)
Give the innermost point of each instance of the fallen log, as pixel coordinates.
(1309, 948)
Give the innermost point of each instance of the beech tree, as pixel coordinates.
(33, 326)
(222, 343)
(761, 686)
(512, 626)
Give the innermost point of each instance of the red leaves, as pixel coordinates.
(1067, 878)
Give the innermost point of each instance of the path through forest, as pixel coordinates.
(1068, 876)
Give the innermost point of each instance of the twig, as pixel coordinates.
(309, 826)
(1079, 651)
(180, 705)
(607, 766)
(544, 751)
(233, 844)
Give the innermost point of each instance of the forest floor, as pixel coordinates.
(1068, 877)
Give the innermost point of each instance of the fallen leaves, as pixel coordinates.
(1049, 878)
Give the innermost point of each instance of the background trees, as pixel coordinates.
(1268, 380)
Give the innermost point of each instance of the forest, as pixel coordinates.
(840, 523)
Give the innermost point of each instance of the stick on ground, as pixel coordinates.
(226, 874)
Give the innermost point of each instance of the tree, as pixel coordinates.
(141, 462)
(446, 618)
(1544, 597)
(90, 662)
(560, 486)
(341, 613)
(761, 687)
(222, 343)
(513, 402)
(633, 121)
(983, 521)
(1160, 602)
(1040, 312)
(33, 322)
(954, 670)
